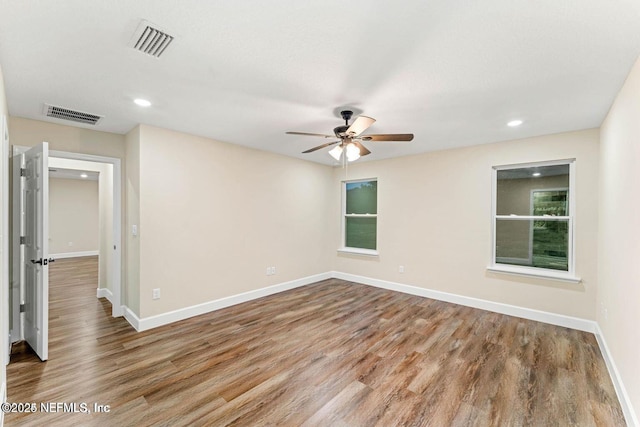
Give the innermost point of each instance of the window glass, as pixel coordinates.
(360, 213)
(533, 218)
(362, 197)
(361, 233)
(515, 186)
(534, 243)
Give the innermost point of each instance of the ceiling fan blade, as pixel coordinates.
(388, 137)
(310, 150)
(360, 125)
(363, 150)
(310, 134)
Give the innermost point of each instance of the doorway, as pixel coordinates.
(110, 247)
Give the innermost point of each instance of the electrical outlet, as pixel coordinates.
(401, 269)
(156, 293)
(70, 244)
(273, 270)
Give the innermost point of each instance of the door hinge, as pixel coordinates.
(23, 172)
(22, 308)
(23, 240)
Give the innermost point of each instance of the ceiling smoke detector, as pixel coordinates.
(149, 39)
(63, 113)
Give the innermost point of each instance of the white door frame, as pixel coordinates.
(116, 267)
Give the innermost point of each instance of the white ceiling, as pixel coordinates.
(451, 72)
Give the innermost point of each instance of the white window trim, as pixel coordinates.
(358, 251)
(534, 272)
(568, 276)
(343, 223)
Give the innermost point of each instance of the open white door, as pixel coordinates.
(36, 249)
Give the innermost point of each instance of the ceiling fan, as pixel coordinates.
(351, 139)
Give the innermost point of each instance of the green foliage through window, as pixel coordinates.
(362, 197)
(360, 210)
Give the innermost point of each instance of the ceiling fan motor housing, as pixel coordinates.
(341, 131)
(350, 137)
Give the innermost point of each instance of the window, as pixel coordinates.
(360, 216)
(533, 219)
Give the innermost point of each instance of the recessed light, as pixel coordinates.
(536, 174)
(514, 123)
(142, 102)
(84, 175)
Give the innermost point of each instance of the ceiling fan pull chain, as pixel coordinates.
(345, 166)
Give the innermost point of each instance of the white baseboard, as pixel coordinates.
(496, 307)
(131, 318)
(146, 323)
(104, 293)
(621, 391)
(511, 310)
(143, 324)
(73, 254)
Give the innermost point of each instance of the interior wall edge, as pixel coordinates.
(616, 379)
(585, 325)
(496, 307)
(104, 293)
(131, 317)
(146, 323)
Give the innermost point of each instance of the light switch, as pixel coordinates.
(134, 230)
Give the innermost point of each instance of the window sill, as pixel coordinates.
(357, 251)
(535, 272)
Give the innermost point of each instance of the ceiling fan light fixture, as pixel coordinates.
(336, 152)
(142, 102)
(353, 152)
(349, 138)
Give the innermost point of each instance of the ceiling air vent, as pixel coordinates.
(150, 40)
(68, 114)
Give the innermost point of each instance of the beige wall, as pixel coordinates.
(214, 216)
(434, 218)
(73, 216)
(27, 132)
(619, 237)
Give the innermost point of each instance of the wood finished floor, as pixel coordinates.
(329, 354)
